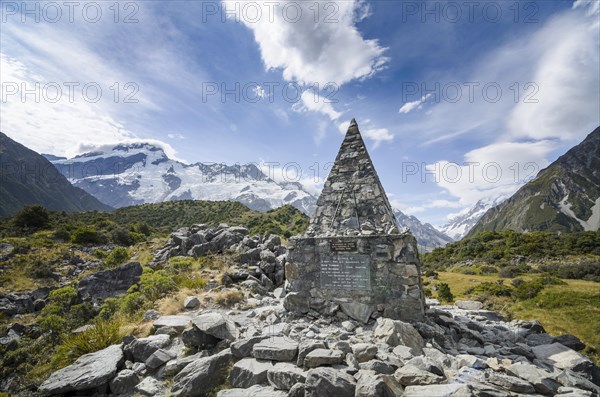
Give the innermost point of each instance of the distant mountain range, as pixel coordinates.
(564, 197)
(141, 173)
(428, 237)
(459, 225)
(27, 178)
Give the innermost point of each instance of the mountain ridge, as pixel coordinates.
(563, 197)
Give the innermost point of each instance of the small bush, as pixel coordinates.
(156, 284)
(32, 217)
(494, 289)
(528, 290)
(191, 281)
(85, 235)
(62, 235)
(134, 302)
(516, 282)
(117, 256)
(102, 334)
(444, 293)
(228, 297)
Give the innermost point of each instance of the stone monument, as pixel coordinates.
(352, 257)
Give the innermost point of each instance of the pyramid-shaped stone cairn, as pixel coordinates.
(352, 260)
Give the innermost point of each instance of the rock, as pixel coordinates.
(564, 358)
(151, 315)
(510, 383)
(410, 375)
(348, 326)
(201, 375)
(378, 367)
(364, 351)
(570, 341)
(191, 302)
(254, 391)
(358, 311)
(403, 352)
(243, 348)
(305, 347)
(320, 357)
(124, 382)
(158, 358)
(371, 385)
(88, 372)
(352, 361)
(276, 349)
(193, 337)
(249, 372)
(174, 366)
(296, 303)
(218, 325)
(141, 349)
(150, 387)
(329, 382)
(396, 332)
(574, 392)
(284, 376)
(469, 305)
(297, 390)
(109, 283)
(454, 389)
(139, 368)
(177, 322)
(542, 380)
(279, 293)
(571, 379)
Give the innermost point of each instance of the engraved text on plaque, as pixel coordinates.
(346, 271)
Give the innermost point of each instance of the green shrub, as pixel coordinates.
(156, 284)
(32, 217)
(494, 289)
(528, 290)
(117, 256)
(191, 281)
(109, 308)
(181, 263)
(444, 293)
(85, 235)
(62, 234)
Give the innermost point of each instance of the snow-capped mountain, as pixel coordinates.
(460, 224)
(139, 173)
(427, 236)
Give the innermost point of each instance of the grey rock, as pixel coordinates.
(279, 293)
(570, 341)
(371, 385)
(297, 390)
(284, 376)
(510, 383)
(405, 353)
(159, 358)
(454, 389)
(378, 367)
(571, 379)
(150, 387)
(469, 305)
(563, 357)
(542, 380)
(352, 361)
(124, 382)
(88, 372)
(329, 382)
(218, 325)
(193, 337)
(249, 372)
(254, 391)
(409, 375)
(109, 283)
(305, 347)
(243, 348)
(296, 303)
(177, 322)
(358, 311)
(574, 392)
(396, 332)
(151, 315)
(364, 351)
(141, 349)
(191, 302)
(539, 339)
(276, 349)
(201, 375)
(321, 357)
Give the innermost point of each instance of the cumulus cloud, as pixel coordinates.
(312, 101)
(310, 47)
(378, 135)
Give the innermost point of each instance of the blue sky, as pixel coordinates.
(423, 80)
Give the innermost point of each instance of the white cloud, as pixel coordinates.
(175, 135)
(310, 100)
(410, 106)
(321, 49)
(490, 171)
(378, 135)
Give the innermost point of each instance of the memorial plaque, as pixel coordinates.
(346, 271)
(343, 245)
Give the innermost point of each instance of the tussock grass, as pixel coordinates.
(228, 297)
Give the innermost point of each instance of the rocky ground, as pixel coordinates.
(261, 350)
